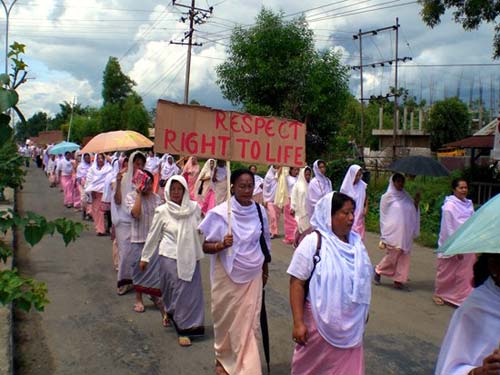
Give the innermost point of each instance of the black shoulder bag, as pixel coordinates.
(262, 239)
(316, 260)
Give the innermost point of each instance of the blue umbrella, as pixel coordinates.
(63, 147)
(479, 234)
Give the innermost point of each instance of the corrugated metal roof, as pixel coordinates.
(488, 129)
(479, 141)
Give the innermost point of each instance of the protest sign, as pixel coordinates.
(209, 133)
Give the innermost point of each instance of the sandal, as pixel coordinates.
(438, 300)
(139, 307)
(166, 322)
(184, 341)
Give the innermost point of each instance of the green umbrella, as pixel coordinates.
(63, 147)
(479, 234)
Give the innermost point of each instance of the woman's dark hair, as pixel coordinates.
(321, 162)
(150, 175)
(481, 268)
(307, 169)
(139, 155)
(240, 172)
(67, 152)
(456, 181)
(338, 201)
(398, 176)
(252, 165)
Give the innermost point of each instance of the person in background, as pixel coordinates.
(269, 194)
(94, 185)
(141, 204)
(174, 232)
(298, 201)
(290, 225)
(238, 273)
(330, 292)
(319, 186)
(471, 344)
(220, 182)
(51, 171)
(65, 173)
(153, 166)
(259, 184)
(399, 226)
(355, 187)
(168, 169)
(81, 177)
(454, 273)
(122, 220)
(204, 181)
(190, 172)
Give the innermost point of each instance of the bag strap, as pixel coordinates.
(316, 260)
(262, 239)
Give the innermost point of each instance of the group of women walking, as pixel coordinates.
(163, 226)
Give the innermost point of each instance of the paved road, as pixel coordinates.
(88, 329)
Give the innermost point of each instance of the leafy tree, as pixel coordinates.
(135, 115)
(448, 122)
(273, 69)
(64, 114)
(85, 125)
(116, 86)
(471, 14)
(34, 125)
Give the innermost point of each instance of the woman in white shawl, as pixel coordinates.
(298, 200)
(269, 194)
(471, 344)
(94, 185)
(203, 187)
(355, 187)
(319, 186)
(238, 271)
(168, 168)
(220, 182)
(329, 316)
(259, 185)
(454, 273)
(122, 220)
(81, 176)
(399, 226)
(175, 232)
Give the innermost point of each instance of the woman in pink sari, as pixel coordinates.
(190, 172)
(94, 186)
(330, 292)
(204, 187)
(354, 187)
(81, 176)
(269, 193)
(454, 274)
(66, 168)
(319, 186)
(399, 226)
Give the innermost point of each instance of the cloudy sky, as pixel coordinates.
(69, 42)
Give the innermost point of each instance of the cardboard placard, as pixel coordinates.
(209, 133)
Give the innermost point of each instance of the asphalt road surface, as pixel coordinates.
(88, 329)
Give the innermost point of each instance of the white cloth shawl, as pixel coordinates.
(270, 184)
(298, 200)
(168, 170)
(399, 219)
(473, 333)
(356, 192)
(319, 186)
(127, 185)
(187, 217)
(340, 287)
(96, 177)
(454, 213)
(83, 168)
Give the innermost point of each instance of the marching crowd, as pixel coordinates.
(164, 215)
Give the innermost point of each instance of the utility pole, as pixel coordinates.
(396, 94)
(195, 16)
(7, 14)
(71, 118)
(362, 143)
(360, 67)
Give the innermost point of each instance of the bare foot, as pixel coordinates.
(139, 307)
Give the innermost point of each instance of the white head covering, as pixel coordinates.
(319, 186)
(454, 213)
(187, 217)
(340, 287)
(270, 184)
(168, 170)
(96, 177)
(83, 167)
(355, 191)
(127, 185)
(206, 171)
(298, 202)
(399, 219)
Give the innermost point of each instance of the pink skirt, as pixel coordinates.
(290, 224)
(320, 357)
(454, 278)
(209, 202)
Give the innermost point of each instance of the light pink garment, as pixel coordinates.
(289, 223)
(358, 193)
(191, 172)
(319, 357)
(67, 185)
(399, 219)
(97, 214)
(319, 186)
(274, 213)
(454, 278)
(454, 213)
(395, 264)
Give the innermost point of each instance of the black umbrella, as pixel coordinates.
(419, 166)
(265, 330)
